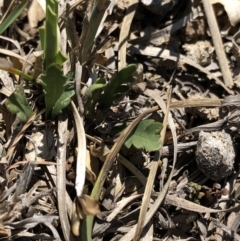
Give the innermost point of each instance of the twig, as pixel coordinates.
(217, 41)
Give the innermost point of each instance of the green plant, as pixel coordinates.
(57, 92)
(12, 16)
(195, 192)
(105, 93)
(18, 104)
(145, 135)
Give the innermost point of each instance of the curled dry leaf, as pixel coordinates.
(89, 205)
(84, 205)
(232, 8)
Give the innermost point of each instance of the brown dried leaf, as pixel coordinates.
(89, 205)
(92, 167)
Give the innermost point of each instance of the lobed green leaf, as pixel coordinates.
(62, 103)
(54, 84)
(18, 104)
(146, 135)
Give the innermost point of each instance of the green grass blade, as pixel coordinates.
(95, 20)
(12, 16)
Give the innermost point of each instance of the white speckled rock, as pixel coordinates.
(215, 154)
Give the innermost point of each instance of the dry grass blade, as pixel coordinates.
(126, 24)
(132, 169)
(226, 229)
(61, 169)
(191, 206)
(104, 151)
(217, 40)
(24, 179)
(10, 152)
(81, 152)
(10, 6)
(12, 54)
(120, 205)
(15, 43)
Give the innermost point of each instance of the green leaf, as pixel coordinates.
(70, 75)
(12, 16)
(118, 85)
(51, 33)
(62, 103)
(18, 104)
(146, 135)
(93, 96)
(60, 58)
(54, 85)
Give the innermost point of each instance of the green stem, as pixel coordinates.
(19, 73)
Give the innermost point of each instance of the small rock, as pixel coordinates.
(200, 52)
(215, 154)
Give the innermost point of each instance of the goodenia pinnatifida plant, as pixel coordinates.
(57, 94)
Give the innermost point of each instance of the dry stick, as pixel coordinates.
(131, 9)
(151, 178)
(217, 41)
